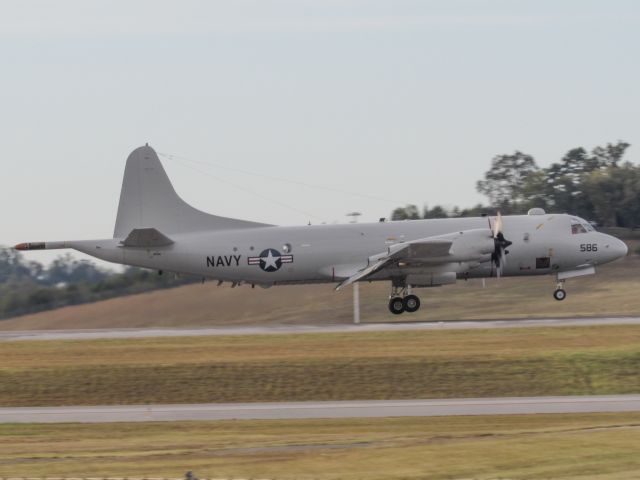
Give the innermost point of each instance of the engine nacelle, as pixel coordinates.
(473, 245)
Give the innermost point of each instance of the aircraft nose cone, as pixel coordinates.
(615, 249)
(622, 248)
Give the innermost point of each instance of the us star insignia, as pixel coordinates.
(270, 260)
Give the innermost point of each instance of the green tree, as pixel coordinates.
(476, 211)
(408, 212)
(611, 154)
(564, 182)
(435, 212)
(66, 269)
(27, 287)
(504, 182)
(14, 267)
(536, 190)
(564, 188)
(614, 193)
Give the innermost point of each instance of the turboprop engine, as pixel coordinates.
(472, 246)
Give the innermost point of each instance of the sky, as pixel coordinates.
(286, 112)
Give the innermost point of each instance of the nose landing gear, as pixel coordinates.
(402, 300)
(560, 294)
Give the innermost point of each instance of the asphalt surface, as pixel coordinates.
(305, 410)
(281, 329)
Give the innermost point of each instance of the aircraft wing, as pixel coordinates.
(467, 246)
(418, 250)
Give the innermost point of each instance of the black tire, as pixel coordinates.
(411, 303)
(396, 305)
(559, 294)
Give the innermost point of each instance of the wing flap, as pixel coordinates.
(423, 250)
(365, 272)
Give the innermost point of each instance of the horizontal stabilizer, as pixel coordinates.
(146, 237)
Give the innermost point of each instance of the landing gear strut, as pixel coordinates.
(402, 300)
(560, 293)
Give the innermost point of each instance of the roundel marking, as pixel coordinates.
(270, 260)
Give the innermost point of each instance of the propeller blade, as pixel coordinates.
(499, 256)
(497, 227)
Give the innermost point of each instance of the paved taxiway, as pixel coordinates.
(302, 410)
(281, 329)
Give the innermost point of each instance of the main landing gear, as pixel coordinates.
(402, 300)
(560, 293)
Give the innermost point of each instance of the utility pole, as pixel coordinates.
(356, 303)
(356, 286)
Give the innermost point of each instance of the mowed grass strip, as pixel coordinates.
(381, 365)
(585, 446)
(327, 380)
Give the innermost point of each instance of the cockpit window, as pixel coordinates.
(580, 226)
(577, 228)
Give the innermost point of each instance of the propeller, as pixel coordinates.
(499, 255)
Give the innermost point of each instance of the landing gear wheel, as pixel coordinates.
(396, 305)
(559, 294)
(411, 303)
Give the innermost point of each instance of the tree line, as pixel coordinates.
(597, 185)
(28, 287)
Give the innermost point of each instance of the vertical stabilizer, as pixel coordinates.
(148, 200)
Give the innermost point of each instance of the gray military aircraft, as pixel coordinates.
(156, 229)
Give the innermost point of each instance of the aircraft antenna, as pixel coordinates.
(246, 190)
(354, 216)
(284, 180)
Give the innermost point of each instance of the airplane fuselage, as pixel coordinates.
(541, 244)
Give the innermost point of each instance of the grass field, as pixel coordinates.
(612, 291)
(338, 366)
(592, 446)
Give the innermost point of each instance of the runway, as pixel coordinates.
(300, 329)
(310, 410)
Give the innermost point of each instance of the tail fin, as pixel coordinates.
(148, 200)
